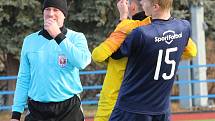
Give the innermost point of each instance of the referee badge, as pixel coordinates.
(62, 60)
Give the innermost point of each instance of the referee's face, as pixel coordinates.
(54, 14)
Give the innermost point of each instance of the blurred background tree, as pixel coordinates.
(95, 18)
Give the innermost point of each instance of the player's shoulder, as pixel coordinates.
(145, 28)
(182, 22)
(69, 31)
(32, 35)
(74, 34)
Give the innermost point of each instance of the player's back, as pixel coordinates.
(153, 57)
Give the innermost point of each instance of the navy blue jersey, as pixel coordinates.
(153, 52)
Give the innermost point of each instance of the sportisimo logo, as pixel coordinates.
(168, 37)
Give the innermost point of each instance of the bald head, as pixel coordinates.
(135, 7)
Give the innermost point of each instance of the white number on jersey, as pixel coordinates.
(167, 61)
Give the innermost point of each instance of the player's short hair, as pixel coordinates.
(164, 4)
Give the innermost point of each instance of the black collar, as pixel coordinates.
(153, 20)
(45, 34)
(139, 16)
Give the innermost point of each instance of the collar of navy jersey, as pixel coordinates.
(45, 33)
(154, 20)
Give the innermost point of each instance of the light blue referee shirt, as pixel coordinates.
(49, 72)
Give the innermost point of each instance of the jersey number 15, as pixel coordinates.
(167, 61)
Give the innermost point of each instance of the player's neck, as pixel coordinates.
(164, 15)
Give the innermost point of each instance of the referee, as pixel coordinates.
(48, 79)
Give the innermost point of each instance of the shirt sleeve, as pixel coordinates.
(111, 44)
(190, 50)
(77, 50)
(22, 84)
(114, 41)
(130, 45)
(101, 53)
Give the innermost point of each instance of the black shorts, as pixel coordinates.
(68, 110)
(120, 115)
